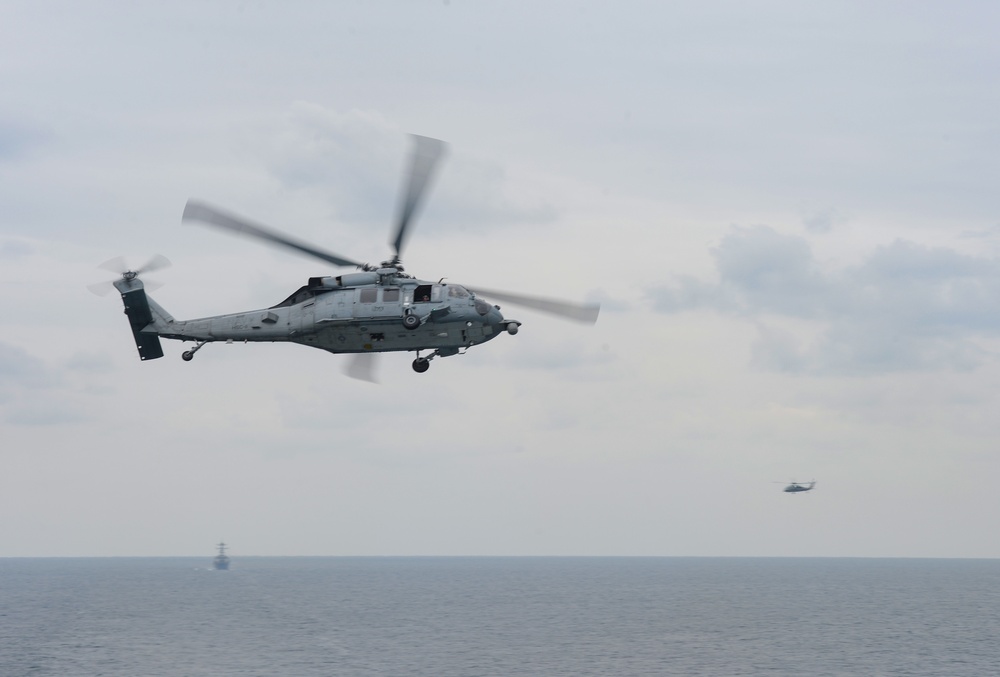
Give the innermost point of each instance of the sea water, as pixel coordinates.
(304, 616)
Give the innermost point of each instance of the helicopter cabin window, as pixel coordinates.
(390, 295)
(457, 291)
(369, 295)
(422, 294)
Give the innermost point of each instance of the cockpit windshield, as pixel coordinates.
(457, 291)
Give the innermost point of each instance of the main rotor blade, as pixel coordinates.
(426, 155)
(195, 210)
(586, 312)
(362, 366)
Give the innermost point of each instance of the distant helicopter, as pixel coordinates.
(797, 487)
(380, 309)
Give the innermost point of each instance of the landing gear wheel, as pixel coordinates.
(421, 364)
(411, 322)
(188, 355)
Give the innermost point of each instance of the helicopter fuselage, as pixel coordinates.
(377, 311)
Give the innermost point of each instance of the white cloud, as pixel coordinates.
(356, 161)
(905, 306)
(18, 367)
(17, 140)
(36, 394)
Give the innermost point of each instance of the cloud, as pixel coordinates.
(905, 306)
(43, 414)
(822, 221)
(357, 159)
(989, 234)
(18, 368)
(17, 140)
(13, 249)
(760, 270)
(34, 394)
(568, 355)
(90, 362)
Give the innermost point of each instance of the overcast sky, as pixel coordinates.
(788, 211)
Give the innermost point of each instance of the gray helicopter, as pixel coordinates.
(375, 310)
(799, 487)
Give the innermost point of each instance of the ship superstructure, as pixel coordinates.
(221, 561)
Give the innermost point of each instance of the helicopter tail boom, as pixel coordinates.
(145, 316)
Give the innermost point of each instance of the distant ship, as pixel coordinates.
(221, 561)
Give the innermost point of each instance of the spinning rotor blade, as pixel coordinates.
(426, 155)
(119, 266)
(101, 288)
(195, 210)
(362, 366)
(580, 312)
(104, 288)
(156, 263)
(116, 265)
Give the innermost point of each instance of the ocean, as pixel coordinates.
(470, 616)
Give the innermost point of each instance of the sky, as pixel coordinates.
(787, 211)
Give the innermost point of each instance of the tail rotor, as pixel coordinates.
(120, 267)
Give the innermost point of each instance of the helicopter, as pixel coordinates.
(378, 309)
(799, 487)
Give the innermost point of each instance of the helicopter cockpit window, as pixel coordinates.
(457, 291)
(369, 295)
(390, 295)
(422, 294)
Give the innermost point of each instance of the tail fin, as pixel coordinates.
(144, 315)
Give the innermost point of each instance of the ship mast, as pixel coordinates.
(221, 560)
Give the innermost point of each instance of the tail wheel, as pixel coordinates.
(188, 355)
(421, 364)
